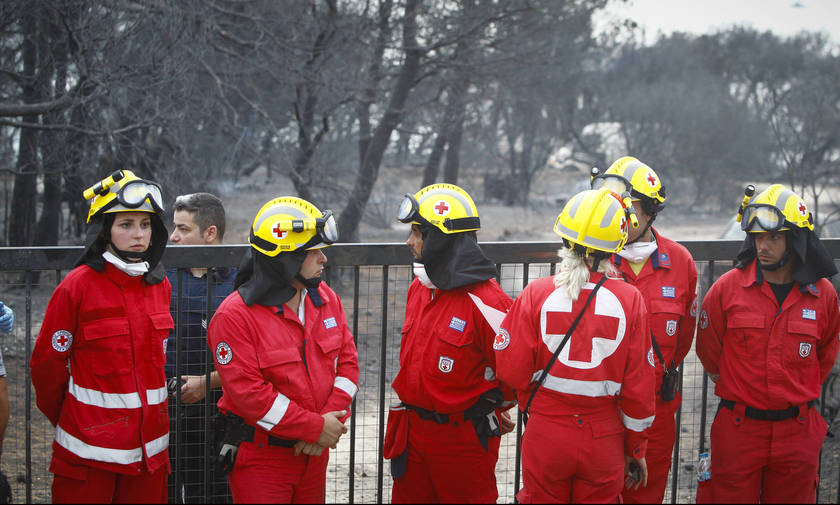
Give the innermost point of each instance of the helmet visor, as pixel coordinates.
(408, 209)
(615, 183)
(134, 193)
(762, 217)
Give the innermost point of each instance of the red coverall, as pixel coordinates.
(598, 398)
(446, 363)
(281, 376)
(769, 358)
(667, 282)
(109, 406)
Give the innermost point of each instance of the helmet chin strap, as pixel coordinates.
(777, 265)
(309, 283)
(643, 233)
(129, 256)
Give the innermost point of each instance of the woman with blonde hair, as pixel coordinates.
(576, 349)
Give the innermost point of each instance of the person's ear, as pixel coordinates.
(210, 234)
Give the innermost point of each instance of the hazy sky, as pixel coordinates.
(785, 17)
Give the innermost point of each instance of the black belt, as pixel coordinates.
(248, 432)
(766, 415)
(429, 415)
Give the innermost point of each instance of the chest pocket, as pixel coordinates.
(748, 335)
(279, 366)
(800, 345)
(450, 355)
(162, 325)
(107, 346)
(666, 319)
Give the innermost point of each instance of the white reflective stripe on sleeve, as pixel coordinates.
(156, 396)
(83, 450)
(346, 385)
(492, 315)
(104, 400)
(592, 389)
(275, 413)
(631, 423)
(157, 445)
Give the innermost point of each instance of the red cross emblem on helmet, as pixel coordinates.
(277, 232)
(802, 209)
(651, 179)
(623, 225)
(441, 208)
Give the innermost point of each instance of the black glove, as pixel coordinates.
(5, 489)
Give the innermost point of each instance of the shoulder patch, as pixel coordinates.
(502, 340)
(224, 354)
(704, 319)
(62, 340)
(330, 323)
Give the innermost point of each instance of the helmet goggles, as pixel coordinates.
(325, 227)
(767, 218)
(133, 194)
(409, 212)
(615, 183)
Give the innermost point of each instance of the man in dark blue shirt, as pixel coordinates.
(199, 219)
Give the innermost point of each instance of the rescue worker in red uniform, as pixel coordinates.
(98, 363)
(443, 437)
(767, 335)
(286, 359)
(665, 273)
(576, 349)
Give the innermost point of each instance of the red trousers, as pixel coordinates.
(764, 461)
(447, 464)
(268, 474)
(572, 459)
(85, 484)
(660, 449)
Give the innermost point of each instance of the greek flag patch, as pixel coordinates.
(809, 314)
(669, 292)
(330, 323)
(457, 324)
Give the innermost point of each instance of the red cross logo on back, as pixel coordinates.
(441, 208)
(596, 338)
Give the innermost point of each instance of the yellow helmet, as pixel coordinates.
(776, 209)
(288, 223)
(629, 174)
(594, 219)
(444, 206)
(122, 191)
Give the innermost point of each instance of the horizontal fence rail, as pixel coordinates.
(372, 281)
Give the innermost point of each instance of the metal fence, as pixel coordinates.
(372, 281)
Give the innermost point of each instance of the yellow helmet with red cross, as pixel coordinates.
(595, 219)
(288, 223)
(446, 207)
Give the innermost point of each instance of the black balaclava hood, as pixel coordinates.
(268, 281)
(813, 261)
(454, 260)
(98, 236)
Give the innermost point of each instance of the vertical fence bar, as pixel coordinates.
(383, 354)
(28, 389)
(352, 476)
(675, 457)
(179, 305)
(517, 464)
(208, 399)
